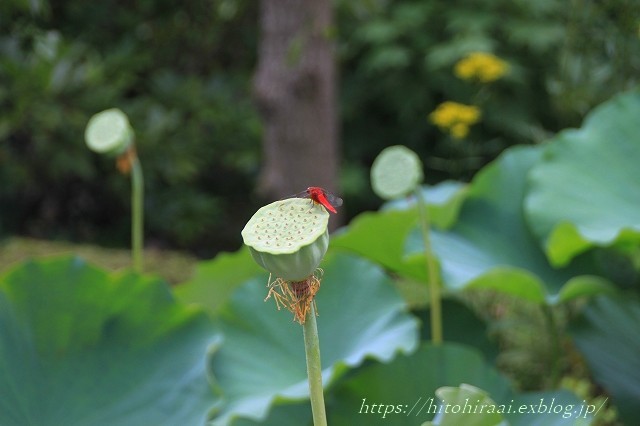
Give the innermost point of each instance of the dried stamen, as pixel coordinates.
(296, 296)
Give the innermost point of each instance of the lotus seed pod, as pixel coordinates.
(288, 238)
(109, 131)
(396, 172)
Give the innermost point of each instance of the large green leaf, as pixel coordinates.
(81, 347)
(491, 247)
(406, 390)
(283, 413)
(608, 335)
(381, 236)
(215, 280)
(460, 397)
(461, 325)
(261, 360)
(443, 201)
(403, 394)
(410, 382)
(550, 408)
(585, 191)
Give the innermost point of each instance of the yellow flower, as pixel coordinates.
(459, 130)
(484, 67)
(455, 118)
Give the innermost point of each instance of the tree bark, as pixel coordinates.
(294, 87)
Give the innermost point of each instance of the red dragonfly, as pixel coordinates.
(321, 196)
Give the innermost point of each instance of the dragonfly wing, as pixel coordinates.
(333, 199)
(303, 194)
(336, 201)
(323, 200)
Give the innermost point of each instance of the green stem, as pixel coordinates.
(137, 217)
(556, 352)
(314, 368)
(432, 271)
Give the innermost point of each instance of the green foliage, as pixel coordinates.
(491, 246)
(607, 334)
(597, 164)
(564, 58)
(373, 351)
(382, 236)
(487, 244)
(173, 266)
(395, 383)
(182, 74)
(478, 251)
(460, 395)
(182, 81)
(261, 360)
(117, 349)
(214, 281)
(258, 329)
(79, 346)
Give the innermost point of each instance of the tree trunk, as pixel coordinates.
(295, 91)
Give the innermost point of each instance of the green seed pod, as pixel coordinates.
(109, 131)
(288, 238)
(396, 172)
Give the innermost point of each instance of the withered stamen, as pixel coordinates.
(296, 296)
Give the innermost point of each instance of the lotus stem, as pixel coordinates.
(314, 368)
(137, 216)
(432, 271)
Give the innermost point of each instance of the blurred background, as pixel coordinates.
(239, 102)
